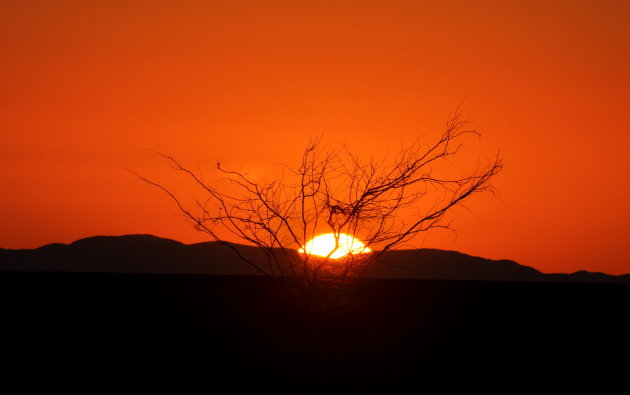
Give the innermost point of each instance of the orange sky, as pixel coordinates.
(87, 87)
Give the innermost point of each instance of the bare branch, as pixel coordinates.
(384, 204)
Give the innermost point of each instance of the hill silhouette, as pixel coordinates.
(95, 309)
(151, 254)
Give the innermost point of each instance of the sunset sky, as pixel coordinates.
(87, 88)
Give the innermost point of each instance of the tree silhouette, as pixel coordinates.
(382, 203)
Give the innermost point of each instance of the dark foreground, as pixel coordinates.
(234, 331)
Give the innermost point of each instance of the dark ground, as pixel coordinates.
(235, 331)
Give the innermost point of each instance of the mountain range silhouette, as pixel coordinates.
(151, 254)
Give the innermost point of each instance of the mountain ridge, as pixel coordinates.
(145, 253)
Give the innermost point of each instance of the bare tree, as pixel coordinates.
(334, 191)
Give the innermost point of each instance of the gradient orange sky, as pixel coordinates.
(88, 86)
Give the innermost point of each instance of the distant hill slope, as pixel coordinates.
(150, 254)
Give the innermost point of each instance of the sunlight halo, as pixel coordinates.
(324, 245)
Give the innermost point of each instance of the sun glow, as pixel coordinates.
(325, 246)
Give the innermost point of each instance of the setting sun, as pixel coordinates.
(324, 245)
